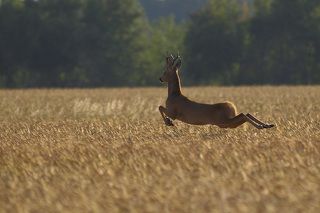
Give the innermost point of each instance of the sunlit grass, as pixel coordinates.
(107, 150)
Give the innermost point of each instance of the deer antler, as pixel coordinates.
(177, 59)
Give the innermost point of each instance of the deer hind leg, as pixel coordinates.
(239, 120)
(259, 122)
(164, 113)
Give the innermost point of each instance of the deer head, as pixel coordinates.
(172, 66)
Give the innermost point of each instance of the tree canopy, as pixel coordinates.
(278, 43)
(90, 43)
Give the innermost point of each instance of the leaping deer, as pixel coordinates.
(223, 115)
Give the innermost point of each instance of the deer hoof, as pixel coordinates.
(267, 126)
(168, 122)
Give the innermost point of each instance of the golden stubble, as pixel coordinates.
(107, 150)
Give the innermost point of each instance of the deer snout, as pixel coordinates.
(160, 79)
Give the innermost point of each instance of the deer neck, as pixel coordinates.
(174, 85)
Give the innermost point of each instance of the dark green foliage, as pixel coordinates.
(285, 39)
(110, 41)
(89, 43)
(52, 43)
(277, 44)
(214, 43)
(180, 9)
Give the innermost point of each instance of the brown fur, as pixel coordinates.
(181, 108)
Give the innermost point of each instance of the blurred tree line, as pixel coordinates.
(180, 9)
(90, 43)
(266, 42)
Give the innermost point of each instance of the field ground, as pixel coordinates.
(107, 150)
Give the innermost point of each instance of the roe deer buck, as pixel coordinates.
(179, 107)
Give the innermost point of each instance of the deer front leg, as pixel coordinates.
(165, 115)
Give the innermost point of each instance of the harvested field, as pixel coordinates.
(107, 150)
